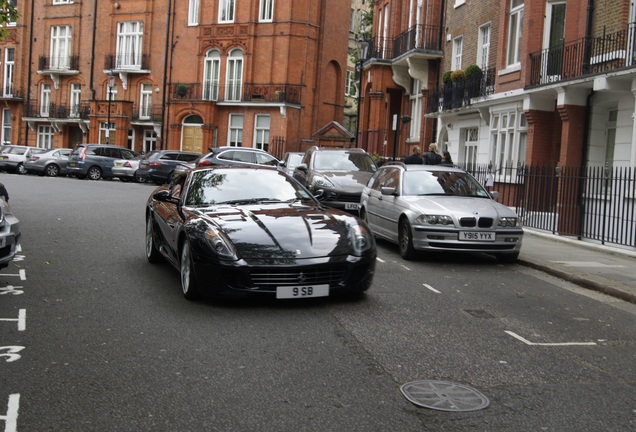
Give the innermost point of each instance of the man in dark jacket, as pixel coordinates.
(416, 157)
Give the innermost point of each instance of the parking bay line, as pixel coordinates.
(427, 286)
(527, 342)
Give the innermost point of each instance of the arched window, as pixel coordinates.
(211, 70)
(234, 76)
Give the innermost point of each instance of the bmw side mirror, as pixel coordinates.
(387, 190)
(494, 195)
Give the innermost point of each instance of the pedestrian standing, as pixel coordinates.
(447, 160)
(416, 157)
(432, 157)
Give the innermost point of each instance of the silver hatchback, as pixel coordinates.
(438, 208)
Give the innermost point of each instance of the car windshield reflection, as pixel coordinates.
(344, 162)
(442, 183)
(237, 187)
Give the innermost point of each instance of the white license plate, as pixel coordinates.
(478, 236)
(349, 206)
(302, 291)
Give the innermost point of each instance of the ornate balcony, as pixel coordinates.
(240, 93)
(459, 94)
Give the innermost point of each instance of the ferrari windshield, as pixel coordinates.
(442, 183)
(342, 161)
(236, 186)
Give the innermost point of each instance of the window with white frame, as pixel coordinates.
(131, 139)
(130, 44)
(9, 67)
(226, 11)
(509, 135)
(351, 87)
(60, 47)
(515, 21)
(107, 132)
(6, 126)
(45, 137)
(193, 13)
(261, 131)
(235, 133)
(234, 78)
(211, 72)
(145, 101)
(471, 141)
(75, 100)
(266, 9)
(458, 47)
(483, 46)
(150, 140)
(10, 22)
(59, 2)
(416, 110)
(45, 99)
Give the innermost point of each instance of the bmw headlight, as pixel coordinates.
(427, 219)
(360, 239)
(508, 222)
(321, 182)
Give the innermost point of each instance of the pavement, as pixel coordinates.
(608, 269)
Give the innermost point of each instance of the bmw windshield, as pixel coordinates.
(451, 183)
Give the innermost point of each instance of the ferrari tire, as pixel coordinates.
(188, 280)
(152, 252)
(405, 240)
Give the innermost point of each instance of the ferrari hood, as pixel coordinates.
(284, 231)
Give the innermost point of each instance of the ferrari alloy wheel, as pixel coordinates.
(188, 282)
(405, 240)
(152, 253)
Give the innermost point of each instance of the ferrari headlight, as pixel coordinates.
(219, 244)
(427, 219)
(508, 222)
(321, 182)
(360, 239)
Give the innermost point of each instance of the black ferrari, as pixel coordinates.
(256, 230)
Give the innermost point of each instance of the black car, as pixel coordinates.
(229, 155)
(96, 161)
(158, 165)
(255, 230)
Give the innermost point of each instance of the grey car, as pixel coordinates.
(336, 175)
(158, 165)
(50, 162)
(438, 208)
(96, 161)
(9, 233)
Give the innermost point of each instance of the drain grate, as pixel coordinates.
(444, 396)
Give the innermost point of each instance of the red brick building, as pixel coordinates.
(181, 75)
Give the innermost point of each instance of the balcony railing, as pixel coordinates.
(58, 63)
(459, 94)
(127, 62)
(152, 113)
(245, 92)
(586, 56)
(419, 37)
(54, 111)
(11, 92)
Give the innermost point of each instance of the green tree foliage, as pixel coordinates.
(8, 13)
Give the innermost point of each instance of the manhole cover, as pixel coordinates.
(444, 396)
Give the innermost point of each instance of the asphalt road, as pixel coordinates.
(94, 338)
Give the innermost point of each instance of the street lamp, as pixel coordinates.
(111, 84)
(363, 46)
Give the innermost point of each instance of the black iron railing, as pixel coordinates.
(147, 113)
(58, 63)
(241, 92)
(125, 61)
(594, 203)
(57, 111)
(417, 38)
(586, 56)
(459, 94)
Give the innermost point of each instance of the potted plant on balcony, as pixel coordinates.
(181, 90)
(473, 74)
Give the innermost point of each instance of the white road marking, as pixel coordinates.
(405, 267)
(21, 319)
(586, 264)
(11, 419)
(380, 259)
(527, 342)
(431, 288)
(21, 274)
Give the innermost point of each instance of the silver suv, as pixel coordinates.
(96, 161)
